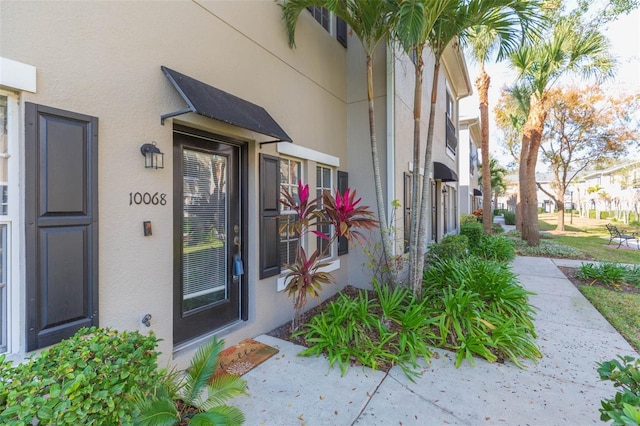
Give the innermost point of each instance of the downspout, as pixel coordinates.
(391, 136)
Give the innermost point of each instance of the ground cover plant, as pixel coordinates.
(196, 396)
(624, 407)
(88, 379)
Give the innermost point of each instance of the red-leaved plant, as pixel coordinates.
(305, 276)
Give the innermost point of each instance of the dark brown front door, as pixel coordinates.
(208, 234)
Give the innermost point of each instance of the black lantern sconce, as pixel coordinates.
(444, 189)
(153, 157)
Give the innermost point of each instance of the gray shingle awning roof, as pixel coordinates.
(219, 105)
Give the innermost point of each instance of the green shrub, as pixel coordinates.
(509, 218)
(451, 246)
(495, 247)
(592, 214)
(624, 407)
(474, 232)
(90, 378)
(349, 330)
(499, 212)
(496, 228)
(467, 218)
(606, 272)
(483, 310)
(605, 215)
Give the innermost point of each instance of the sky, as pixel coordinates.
(624, 35)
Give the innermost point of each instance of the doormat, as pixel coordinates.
(244, 356)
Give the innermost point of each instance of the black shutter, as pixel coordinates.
(341, 31)
(269, 212)
(343, 184)
(61, 202)
(407, 210)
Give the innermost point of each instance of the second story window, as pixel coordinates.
(451, 138)
(325, 18)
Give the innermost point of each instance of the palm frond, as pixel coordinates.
(222, 388)
(225, 415)
(203, 365)
(156, 412)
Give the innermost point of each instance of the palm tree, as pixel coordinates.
(445, 22)
(482, 41)
(371, 22)
(498, 181)
(570, 48)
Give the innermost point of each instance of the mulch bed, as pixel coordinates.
(570, 273)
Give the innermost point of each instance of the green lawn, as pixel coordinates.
(590, 236)
(620, 309)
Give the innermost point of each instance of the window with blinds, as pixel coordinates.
(323, 182)
(290, 175)
(205, 212)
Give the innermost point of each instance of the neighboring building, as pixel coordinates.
(616, 189)
(470, 190)
(90, 235)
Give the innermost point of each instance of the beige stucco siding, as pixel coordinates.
(103, 59)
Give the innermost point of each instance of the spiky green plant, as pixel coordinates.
(196, 389)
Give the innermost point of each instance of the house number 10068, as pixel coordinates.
(147, 198)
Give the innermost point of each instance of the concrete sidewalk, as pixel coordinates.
(562, 389)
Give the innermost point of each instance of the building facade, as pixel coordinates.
(94, 232)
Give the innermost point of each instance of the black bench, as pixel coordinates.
(615, 233)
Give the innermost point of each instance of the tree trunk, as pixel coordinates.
(415, 264)
(424, 206)
(482, 83)
(531, 139)
(382, 217)
(561, 210)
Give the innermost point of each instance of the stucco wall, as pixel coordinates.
(103, 59)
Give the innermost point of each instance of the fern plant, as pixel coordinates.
(195, 396)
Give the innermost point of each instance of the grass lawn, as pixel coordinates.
(590, 236)
(620, 309)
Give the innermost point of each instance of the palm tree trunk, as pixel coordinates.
(482, 83)
(415, 268)
(531, 139)
(382, 217)
(424, 207)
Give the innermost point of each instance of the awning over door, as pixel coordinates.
(443, 173)
(477, 192)
(219, 105)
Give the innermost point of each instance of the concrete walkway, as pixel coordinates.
(562, 389)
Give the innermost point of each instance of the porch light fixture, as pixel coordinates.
(153, 157)
(444, 189)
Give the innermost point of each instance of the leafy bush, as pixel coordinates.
(499, 212)
(495, 247)
(87, 379)
(473, 231)
(509, 218)
(624, 407)
(496, 228)
(467, 218)
(483, 310)
(606, 272)
(451, 246)
(197, 396)
(395, 328)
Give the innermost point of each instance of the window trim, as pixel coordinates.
(284, 212)
(15, 286)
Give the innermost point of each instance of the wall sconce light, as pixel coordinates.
(444, 189)
(153, 157)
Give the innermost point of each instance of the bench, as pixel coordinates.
(615, 233)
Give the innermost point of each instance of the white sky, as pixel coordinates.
(624, 35)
